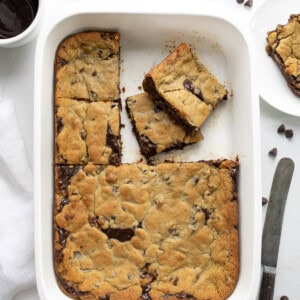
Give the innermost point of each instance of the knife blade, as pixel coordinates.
(273, 224)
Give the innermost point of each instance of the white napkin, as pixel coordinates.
(16, 208)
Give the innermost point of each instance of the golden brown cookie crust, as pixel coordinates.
(159, 232)
(156, 131)
(87, 67)
(283, 46)
(185, 87)
(87, 132)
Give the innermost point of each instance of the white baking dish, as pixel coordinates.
(147, 34)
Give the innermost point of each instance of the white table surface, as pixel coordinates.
(16, 82)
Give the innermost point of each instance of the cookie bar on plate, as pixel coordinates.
(155, 130)
(283, 47)
(136, 231)
(87, 67)
(184, 87)
(87, 132)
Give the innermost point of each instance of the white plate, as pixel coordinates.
(272, 85)
(147, 33)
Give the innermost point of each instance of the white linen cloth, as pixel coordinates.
(16, 208)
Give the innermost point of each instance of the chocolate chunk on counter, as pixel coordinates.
(289, 133)
(273, 152)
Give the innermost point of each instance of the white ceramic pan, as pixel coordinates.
(148, 32)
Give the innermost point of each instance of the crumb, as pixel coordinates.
(123, 89)
(239, 1)
(264, 201)
(284, 298)
(139, 88)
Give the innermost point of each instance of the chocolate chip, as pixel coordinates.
(65, 173)
(112, 141)
(63, 235)
(59, 124)
(207, 214)
(188, 85)
(284, 298)
(83, 134)
(157, 108)
(264, 201)
(123, 89)
(94, 73)
(61, 62)
(93, 95)
(139, 88)
(148, 148)
(281, 128)
(81, 70)
(249, 3)
(107, 297)
(289, 133)
(99, 53)
(175, 282)
(273, 152)
(122, 235)
(63, 202)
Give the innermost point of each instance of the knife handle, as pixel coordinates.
(267, 284)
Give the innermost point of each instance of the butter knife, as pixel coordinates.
(273, 224)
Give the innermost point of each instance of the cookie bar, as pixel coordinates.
(184, 87)
(283, 47)
(137, 231)
(87, 132)
(155, 130)
(87, 67)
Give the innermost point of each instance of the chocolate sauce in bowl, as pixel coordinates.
(16, 16)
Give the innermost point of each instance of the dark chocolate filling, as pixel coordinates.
(70, 289)
(65, 173)
(107, 297)
(180, 296)
(148, 148)
(122, 235)
(63, 235)
(113, 142)
(147, 279)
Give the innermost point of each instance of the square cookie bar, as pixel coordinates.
(155, 130)
(87, 67)
(184, 87)
(137, 231)
(87, 132)
(283, 47)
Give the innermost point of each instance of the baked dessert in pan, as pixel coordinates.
(137, 231)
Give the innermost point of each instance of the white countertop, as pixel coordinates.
(16, 82)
